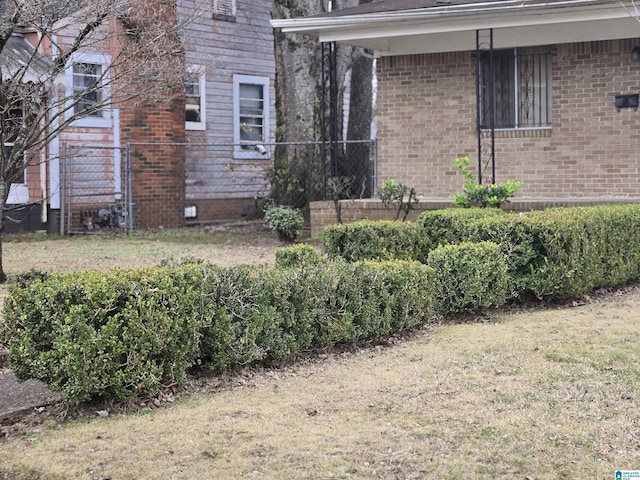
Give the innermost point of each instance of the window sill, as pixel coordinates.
(93, 122)
(536, 132)
(224, 18)
(198, 126)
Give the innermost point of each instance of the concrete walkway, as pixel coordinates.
(19, 397)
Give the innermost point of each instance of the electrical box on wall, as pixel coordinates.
(627, 101)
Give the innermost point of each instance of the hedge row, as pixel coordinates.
(560, 253)
(552, 254)
(120, 334)
(376, 240)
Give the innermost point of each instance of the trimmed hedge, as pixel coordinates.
(95, 335)
(470, 277)
(257, 314)
(297, 255)
(119, 334)
(564, 253)
(450, 225)
(376, 240)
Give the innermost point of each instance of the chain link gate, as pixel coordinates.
(96, 189)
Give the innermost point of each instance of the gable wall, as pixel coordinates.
(427, 116)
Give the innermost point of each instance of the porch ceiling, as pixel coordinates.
(452, 27)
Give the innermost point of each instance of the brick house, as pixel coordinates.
(179, 147)
(543, 92)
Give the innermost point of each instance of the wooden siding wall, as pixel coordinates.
(225, 48)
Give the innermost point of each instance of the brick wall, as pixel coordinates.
(427, 116)
(158, 170)
(224, 208)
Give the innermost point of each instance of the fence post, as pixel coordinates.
(129, 189)
(63, 187)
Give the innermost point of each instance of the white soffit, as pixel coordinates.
(436, 30)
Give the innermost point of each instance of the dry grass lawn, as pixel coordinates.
(537, 394)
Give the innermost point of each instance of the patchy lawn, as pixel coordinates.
(542, 394)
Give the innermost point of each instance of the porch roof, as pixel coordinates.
(19, 59)
(401, 27)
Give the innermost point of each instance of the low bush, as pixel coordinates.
(287, 222)
(451, 225)
(120, 334)
(476, 195)
(298, 255)
(584, 248)
(264, 315)
(470, 277)
(376, 240)
(95, 335)
(563, 252)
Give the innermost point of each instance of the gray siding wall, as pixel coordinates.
(225, 48)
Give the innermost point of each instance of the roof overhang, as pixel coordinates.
(19, 60)
(452, 27)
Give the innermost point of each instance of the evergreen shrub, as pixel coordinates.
(470, 277)
(376, 240)
(298, 255)
(104, 335)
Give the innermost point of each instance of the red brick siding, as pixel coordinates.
(158, 170)
(427, 116)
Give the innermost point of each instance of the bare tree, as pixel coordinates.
(39, 40)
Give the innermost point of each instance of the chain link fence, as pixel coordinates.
(97, 182)
(312, 171)
(95, 189)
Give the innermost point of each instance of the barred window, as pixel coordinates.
(521, 88)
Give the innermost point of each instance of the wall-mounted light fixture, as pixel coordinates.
(627, 101)
(635, 54)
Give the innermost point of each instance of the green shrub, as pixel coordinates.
(285, 221)
(376, 240)
(476, 195)
(470, 277)
(557, 253)
(451, 225)
(364, 300)
(585, 248)
(297, 255)
(392, 193)
(253, 313)
(256, 314)
(104, 335)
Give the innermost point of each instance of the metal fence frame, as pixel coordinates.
(122, 205)
(123, 201)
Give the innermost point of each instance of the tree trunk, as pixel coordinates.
(299, 173)
(358, 161)
(4, 192)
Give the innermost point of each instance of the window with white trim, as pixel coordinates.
(195, 99)
(250, 115)
(87, 90)
(521, 88)
(18, 192)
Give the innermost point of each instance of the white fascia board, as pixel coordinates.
(447, 19)
(509, 37)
